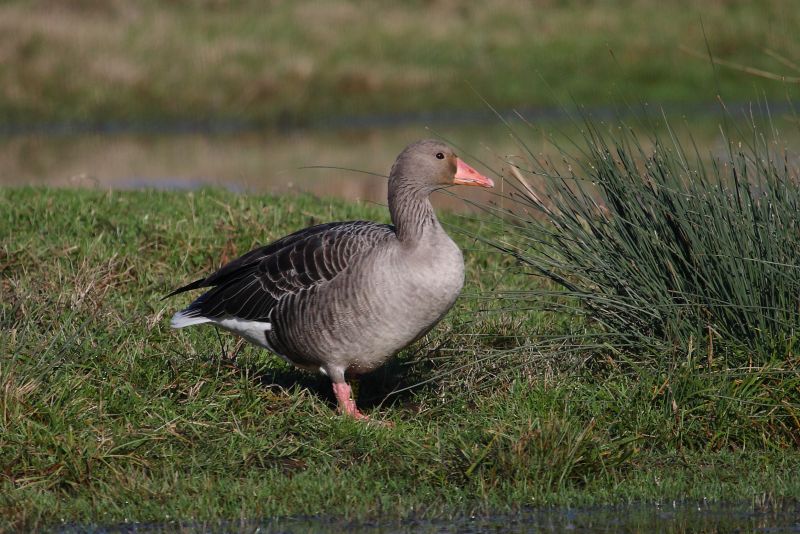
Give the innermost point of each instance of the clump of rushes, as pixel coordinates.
(679, 270)
(663, 248)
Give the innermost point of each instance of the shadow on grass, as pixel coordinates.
(390, 386)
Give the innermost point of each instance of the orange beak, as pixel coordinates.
(466, 175)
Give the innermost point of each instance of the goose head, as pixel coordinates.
(430, 164)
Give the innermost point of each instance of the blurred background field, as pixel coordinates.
(240, 94)
(297, 63)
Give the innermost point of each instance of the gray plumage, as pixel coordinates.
(344, 297)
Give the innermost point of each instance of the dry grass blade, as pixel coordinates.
(744, 68)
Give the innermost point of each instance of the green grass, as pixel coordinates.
(106, 414)
(665, 247)
(293, 63)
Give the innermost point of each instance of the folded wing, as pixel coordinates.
(250, 286)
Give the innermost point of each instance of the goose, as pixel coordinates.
(341, 298)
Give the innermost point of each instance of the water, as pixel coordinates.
(671, 517)
(251, 160)
(244, 162)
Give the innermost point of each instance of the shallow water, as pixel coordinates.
(669, 517)
(241, 159)
(243, 162)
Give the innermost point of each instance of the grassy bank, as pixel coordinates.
(303, 61)
(107, 415)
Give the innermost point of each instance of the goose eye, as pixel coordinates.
(439, 155)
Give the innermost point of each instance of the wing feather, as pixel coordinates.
(250, 286)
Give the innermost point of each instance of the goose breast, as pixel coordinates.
(377, 306)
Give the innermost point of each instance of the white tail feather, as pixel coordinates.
(180, 320)
(253, 331)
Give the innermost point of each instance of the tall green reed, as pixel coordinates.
(660, 246)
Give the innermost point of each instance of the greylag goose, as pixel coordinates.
(342, 298)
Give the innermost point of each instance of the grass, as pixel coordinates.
(291, 64)
(683, 265)
(666, 247)
(107, 415)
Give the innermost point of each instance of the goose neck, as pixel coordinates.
(412, 212)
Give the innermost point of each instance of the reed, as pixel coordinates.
(662, 247)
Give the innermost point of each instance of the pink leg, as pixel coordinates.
(346, 403)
